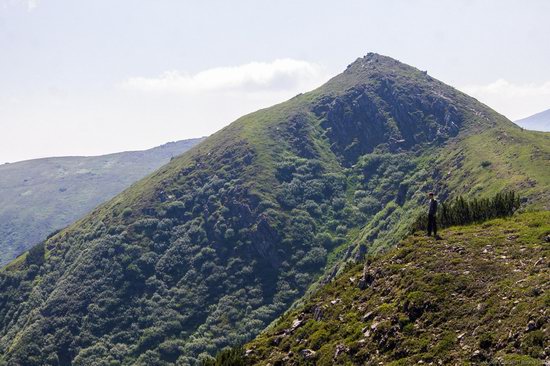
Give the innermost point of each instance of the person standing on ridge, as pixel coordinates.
(432, 211)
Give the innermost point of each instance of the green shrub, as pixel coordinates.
(533, 343)
(318, 338)
(461, 211)
(369, 205)
(325, 240)
(446, 343)
(36, 255)
(175, 209)
(486, 340)
(227, 357)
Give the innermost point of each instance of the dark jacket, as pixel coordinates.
(433, 207)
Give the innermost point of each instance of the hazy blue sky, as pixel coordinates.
(91, 77)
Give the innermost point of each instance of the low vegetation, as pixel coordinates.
(479, 296)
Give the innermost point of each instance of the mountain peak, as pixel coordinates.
(374, 62)
(373, 57)
(379, 103)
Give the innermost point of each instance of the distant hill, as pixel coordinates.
(42, 195)
(221, 241)
(536, 122)
(477, 297)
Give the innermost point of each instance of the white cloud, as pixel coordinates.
(32, 4)
(513, 100)
(508, 89)
(29, 4)
(144, 112)
(278, 75)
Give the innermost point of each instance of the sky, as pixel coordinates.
(92, 77)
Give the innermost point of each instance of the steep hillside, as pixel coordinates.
(537, 122)
(218, 243)
(43, 195)
(480, 295)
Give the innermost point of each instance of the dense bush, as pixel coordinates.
(36, 255)
(206, 264)
(227, 357)
(461, 211)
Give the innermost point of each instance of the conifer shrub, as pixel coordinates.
(461, 211)
(485, 164)
(227, 357)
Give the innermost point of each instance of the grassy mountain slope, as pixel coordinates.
(43, 195)
(211, 248)
(479, 295)
(499, 158)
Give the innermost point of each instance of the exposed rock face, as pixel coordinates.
(382, 113)
(308, 354)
